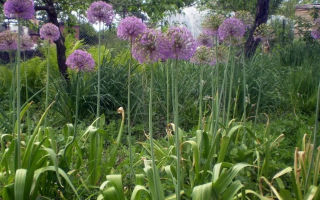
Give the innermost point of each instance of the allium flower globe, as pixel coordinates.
(179, 44)
(231, 28)
(50, 32)
(19, 9)
(203, 56)
(146, 47)
(315, 34)
(100, 12)
(26, 43)
(205, 40)
(8, 41)
(81, 61)
(130, 28)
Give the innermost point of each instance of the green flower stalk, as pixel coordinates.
(99, 73)
(50, 33)
(17, 157)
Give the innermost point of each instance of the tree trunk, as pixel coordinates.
(262, 14)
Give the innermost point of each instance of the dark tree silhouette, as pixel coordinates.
(262, 13)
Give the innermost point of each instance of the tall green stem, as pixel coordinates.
(176, 123)
(77, 105)
(168, 93)
(129, 113)
(99, 73)
(12, 92)
(244, 88)
(230, 91)
(200, 125)
(47, 82)
(151, 134)
(27, 94)
(18, 160)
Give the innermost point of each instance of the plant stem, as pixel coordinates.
(12, 92)
(168, 93)
(47, 82)
(27, 95)
(230, 91)
(77, 104)
(176, 123)
(244, 89)
(151, 134)
(129, 113)
(315, 132)
(99, 73)
(18, 160)
(200, 125)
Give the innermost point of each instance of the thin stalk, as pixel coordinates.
(315, 132)
(230, 92)
(27, 94)
(18, 160)
(172, 84)
(47, 83)
(77, 104)
(244, 89)
(168, 93)
(99, 72)
(151, 134)
(200, 124)
(12, 92)
(215, 101)
(176, 123)
(129, 113)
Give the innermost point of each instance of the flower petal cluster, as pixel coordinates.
(146, 47)
(205, 40)
(50, 32)
(81, 61)
(211, 24)
(204, 56)
(231, 28)
(19, 9)
(178, 44)
(26, 43)
(100, 11)
(130, 28)
(8, 41)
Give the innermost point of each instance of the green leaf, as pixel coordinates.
(19, 184)
(140, 191)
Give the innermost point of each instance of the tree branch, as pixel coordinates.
(38, 8)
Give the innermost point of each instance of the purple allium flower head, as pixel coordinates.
(130, 28)
(180, 44)
(23, 9)
(231, 28)
(8, 41)
(100, 11)
(26, 43)
(80, 60)
(146, 47)
(315, 34)
(205, 40)
(204, 56)
(50, 32)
